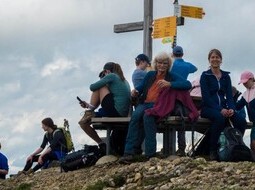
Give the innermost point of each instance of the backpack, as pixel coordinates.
(65, 130)
(81, 158)
(232, 147)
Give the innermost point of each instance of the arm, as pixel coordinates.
(3, 171)
(205, 91)
(5, 168)
(179, 82)
(37, 151)
(229, 95)
(140, 88)
(55, 144)
(240, 103)
(102, 82)
(192, 68)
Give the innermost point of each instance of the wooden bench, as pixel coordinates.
(168, 127)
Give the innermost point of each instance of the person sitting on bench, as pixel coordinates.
(112, 92)
(153, 83)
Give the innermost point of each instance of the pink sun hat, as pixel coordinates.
(245, 76)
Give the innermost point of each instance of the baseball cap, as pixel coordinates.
(143, 57)
(245, 76)
(177, 50)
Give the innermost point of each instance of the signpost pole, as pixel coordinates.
(175, 14)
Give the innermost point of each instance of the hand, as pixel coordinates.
(227, 113)
(230, 113)
(83, 104)
(134, 93)
(40, 160)
(224, 112)
(163, 83)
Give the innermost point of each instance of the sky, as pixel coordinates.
(52, 50)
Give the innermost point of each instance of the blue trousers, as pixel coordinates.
(135, 132)
(219, 122)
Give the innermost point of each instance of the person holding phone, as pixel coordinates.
(113, 93)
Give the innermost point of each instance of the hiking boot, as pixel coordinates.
(30, 171)
(126, 159)
(19, 173)
(102, 149)
(180, 153)
(213, 156)
(87, 117)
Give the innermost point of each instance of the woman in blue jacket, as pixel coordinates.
(217, 100)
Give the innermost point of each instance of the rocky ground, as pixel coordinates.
(158, 174)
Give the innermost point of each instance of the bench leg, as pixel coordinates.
(108, 146)
(169, 142)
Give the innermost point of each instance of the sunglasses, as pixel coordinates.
(163, 62)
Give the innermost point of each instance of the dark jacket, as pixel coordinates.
(177, 82)
(216, 94)
(248, 100)
(56, 140)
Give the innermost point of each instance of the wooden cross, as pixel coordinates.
(144, 25)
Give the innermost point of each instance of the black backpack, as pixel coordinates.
(232, 147)
(81, 158)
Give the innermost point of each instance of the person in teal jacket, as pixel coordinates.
(217, 101)
(112, 92)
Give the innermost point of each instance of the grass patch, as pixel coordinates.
(24, 186)
(97, 186)
(153, 180)
(119, 180)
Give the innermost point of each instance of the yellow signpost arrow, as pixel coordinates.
(193, 12)
(164, 27)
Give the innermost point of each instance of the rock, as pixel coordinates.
(106, 159)
(156, 174)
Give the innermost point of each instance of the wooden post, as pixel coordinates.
(144, 25)
(147, 30)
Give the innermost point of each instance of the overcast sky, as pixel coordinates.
(52, 50)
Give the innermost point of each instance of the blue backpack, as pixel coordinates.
(232, 147)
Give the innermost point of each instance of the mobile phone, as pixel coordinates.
(79, 99)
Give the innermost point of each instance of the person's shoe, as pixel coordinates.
(138, 151)
(126, 159)
(213, 156)
(30, 171)
(87, 117)
(102, 149)
(18, 174)
(180, 153)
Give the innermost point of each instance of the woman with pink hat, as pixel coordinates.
(248, 100)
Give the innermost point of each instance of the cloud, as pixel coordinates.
(57, 66)
(10, 87)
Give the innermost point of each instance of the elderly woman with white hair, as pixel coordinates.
(153, 83)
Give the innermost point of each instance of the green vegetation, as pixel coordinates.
(24, 186)
(154, 180)
(99, 185)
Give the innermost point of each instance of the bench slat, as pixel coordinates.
(167, 126)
